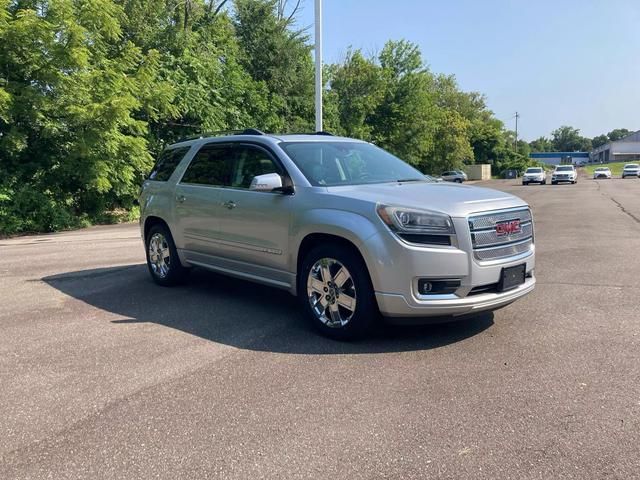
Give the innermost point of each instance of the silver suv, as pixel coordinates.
(347, 227)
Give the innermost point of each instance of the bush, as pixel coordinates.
(29, 210)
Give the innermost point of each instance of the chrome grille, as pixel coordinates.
(488, 245)
(489, 238)
(485, 221)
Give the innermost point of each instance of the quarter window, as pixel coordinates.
(167, 163)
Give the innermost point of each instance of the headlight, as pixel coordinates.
(418, 226)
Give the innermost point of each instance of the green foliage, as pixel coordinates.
(617, 134)
(599, 140)
(92, 90)
(542, 144)
(568, 139)
(510, 160)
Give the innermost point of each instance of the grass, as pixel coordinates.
(616, 168)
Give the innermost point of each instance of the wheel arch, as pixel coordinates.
(315, 239)
(152, 220)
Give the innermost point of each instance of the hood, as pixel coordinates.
(453, 199)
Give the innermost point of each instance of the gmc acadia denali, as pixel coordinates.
(347, 227)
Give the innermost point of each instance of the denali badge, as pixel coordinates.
(508, 228)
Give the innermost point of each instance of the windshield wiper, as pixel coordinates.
(405, 180)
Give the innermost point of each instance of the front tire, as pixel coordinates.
(162, 257)
(336, 293)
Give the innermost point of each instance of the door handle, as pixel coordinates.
(181, 198)
(230, 204)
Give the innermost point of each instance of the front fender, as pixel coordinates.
(351, 226)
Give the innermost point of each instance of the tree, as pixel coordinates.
(568, 139)
(541, 144)
(599, 140)
(281, 58)
(357, 90)
(92, 90)
(617, 134)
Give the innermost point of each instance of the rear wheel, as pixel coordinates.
(162, 257)
(554, 183)
(336, 292)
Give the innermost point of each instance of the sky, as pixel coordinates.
(563, 62)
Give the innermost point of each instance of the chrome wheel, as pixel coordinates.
(159, 255)
(331, 292)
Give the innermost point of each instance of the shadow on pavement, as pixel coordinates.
(239, 313)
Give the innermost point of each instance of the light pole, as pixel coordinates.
(318, 55)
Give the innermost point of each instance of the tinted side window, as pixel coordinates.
(167, 163)
(210, 166)
(250, 162)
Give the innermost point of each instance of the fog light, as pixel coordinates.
(429, 286)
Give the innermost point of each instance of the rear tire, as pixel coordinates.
(336, 293)
(162, 257)
(554, 183)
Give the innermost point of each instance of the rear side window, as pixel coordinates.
(210, 166)
(167, 163)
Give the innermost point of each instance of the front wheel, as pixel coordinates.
(544, 182)
(162, 257)
(458, 180)
(336, 292)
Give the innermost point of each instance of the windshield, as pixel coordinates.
(632, 166)
(566, 168)
(534, 170)
(601, 169)
(348, 163)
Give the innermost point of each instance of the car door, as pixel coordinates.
(197, 200)
(254, 226)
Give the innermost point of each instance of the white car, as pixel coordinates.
(631, 170)
(564, 173)
(601, 172)
(534, 175)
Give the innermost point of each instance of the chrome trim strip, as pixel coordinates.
(244, 246)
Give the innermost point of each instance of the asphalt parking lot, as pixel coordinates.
(105, 375)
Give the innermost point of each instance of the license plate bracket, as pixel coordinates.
(512, 277)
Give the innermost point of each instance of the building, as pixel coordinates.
(560, 158)
(627, 149)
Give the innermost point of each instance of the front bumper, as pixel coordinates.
(397, 306)
(396, 269)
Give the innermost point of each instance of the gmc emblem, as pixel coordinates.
(508, 228)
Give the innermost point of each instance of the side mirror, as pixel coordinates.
(266, 183)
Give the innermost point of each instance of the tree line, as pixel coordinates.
(568, 139)
(92, 90)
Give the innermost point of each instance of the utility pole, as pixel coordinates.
(318, 55)
(516, 143)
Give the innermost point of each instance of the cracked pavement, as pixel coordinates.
(105, 375)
